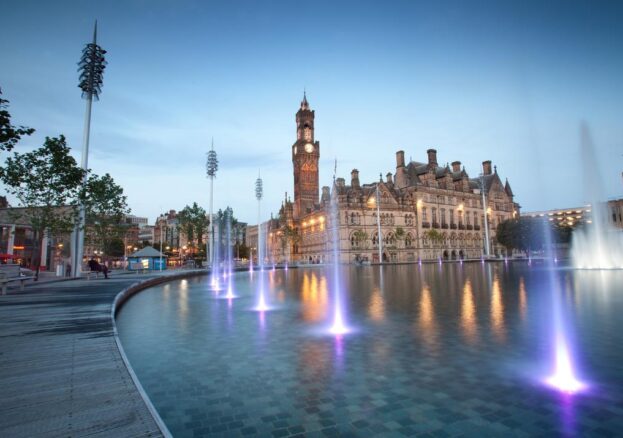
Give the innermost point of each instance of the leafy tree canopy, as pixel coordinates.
(47, 184)
(9, 134)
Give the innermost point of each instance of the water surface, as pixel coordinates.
(448, 350)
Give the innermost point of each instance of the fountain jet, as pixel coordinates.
(338, 326)
(599, 245)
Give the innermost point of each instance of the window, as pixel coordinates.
(451, 216)
(434, 214)
(424, 214)
(443, 216)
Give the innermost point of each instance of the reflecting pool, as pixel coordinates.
(447, 350)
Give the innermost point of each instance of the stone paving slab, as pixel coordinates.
(61, 371)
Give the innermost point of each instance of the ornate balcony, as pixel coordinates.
(469, 227)
(425, 224)
(453, 226)
(476, 227)
(435, 224)
(461, 227)
(444, 226)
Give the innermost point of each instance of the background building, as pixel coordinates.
(425, 210)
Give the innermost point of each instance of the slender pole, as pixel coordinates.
(160, 248)
(210, 242)
(484, 207)
(85, 165)
(259, 235)
(378, 223)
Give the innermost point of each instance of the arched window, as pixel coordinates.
(408, 240)
(375, 239)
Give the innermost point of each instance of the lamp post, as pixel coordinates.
(259, 192)
(378, 223)
(91, 67)
(484, 209)
(160, 246)
(211, 168)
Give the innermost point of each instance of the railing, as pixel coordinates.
(461, 227)
(444, 226)
(476, 227)
(435, 224)
(469, 227)
(425, 224)
(453, 226)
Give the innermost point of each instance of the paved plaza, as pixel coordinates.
(62, 372)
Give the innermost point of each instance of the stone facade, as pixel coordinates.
(427, 211)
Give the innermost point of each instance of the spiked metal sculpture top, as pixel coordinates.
(91, 68)
(259, 190)
(212, 163)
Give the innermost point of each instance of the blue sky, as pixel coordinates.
(505, 81)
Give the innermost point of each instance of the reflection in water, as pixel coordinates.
(426, 323)
(468, 314)
(497, 310)
(183, 304)
(522, 298)
(305, 372)
(376, 307)
(314, 297)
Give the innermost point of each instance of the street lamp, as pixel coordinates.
(378, 223)
(91, 67)
(484, 209)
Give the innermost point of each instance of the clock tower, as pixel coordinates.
(305, 156)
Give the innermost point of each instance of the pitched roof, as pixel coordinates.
(148, 251)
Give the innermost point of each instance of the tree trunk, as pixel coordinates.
(36, 253)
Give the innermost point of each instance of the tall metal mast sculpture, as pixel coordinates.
(91, 68)
(211, 168)
(259, 192)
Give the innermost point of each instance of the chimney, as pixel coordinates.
(456, 166)
(354, 178)
(389, 178)
(432, 157)
(340, 182)
(400, 159)
(486, 167)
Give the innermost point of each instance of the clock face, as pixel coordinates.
(294, 150)
(309, 148)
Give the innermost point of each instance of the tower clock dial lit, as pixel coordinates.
(309, 148)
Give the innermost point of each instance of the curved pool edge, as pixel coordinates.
(117, 304)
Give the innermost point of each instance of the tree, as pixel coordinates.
(115, 247)
(105, 208)
(47, 184)
(9, 134)
(529, 233)
(399, 234)
(361, 237)
(435, 236)
(193, 223)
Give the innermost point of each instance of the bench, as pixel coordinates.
(91, 273)
(137, 266)
(11, 273)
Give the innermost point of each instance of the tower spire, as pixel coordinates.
(304, 103)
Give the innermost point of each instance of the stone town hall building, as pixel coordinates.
(427, 211)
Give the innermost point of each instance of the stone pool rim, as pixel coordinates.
(120, 299)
